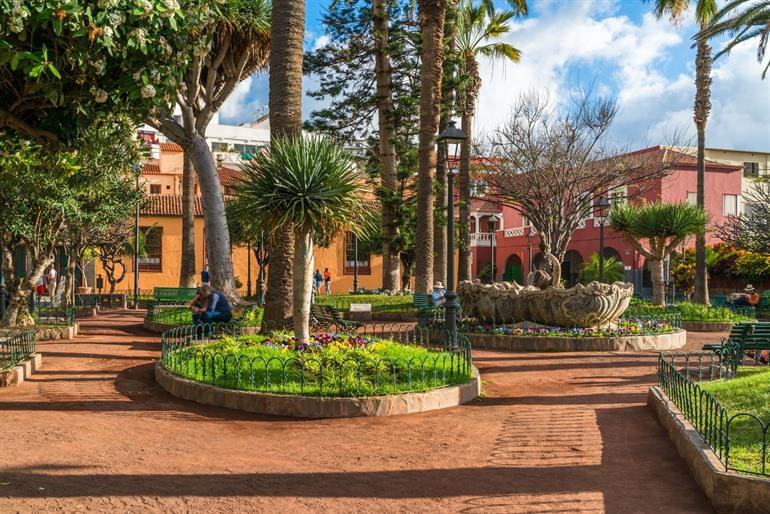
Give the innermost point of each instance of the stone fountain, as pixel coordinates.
(544, 301)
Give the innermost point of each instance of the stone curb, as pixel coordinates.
(729, 492)
(670, 341)
(52, 334)
(314, 407)
(707, 326)
(20, 372)
(158, 328)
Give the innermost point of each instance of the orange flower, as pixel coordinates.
(61, 13)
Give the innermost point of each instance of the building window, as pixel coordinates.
(153, 249)
(617, 195)
(218, 146)
(350, 257)
(692, 197)
(730, 205)
(154, 189)
(750, 169)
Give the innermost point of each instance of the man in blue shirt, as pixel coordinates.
(210, 306)
(439, 294)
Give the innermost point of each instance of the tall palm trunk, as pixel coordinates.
(469, 110)
(658, 282)
(287, 33)
(447, 109)
(391, 264)
(215, 221)
(187, 270)
(431, 68)
(702, 109)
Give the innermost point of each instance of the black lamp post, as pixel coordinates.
(261, 276)
(137, 170)
(492, 228)
(2, 281)
(248, 269)
(604, 206)
(355, 263)
(451, 136)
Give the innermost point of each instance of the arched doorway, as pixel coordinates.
(512, 269)
(611, 252)
(570, 267)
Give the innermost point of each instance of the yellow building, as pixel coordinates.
(161, 221)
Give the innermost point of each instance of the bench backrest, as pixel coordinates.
(323, 312)
(423, 301)
(751, 333)
(174, 293)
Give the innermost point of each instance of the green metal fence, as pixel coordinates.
(678, 376)
(47, 315)
(184, 353)
(171, 313)
(15, 347)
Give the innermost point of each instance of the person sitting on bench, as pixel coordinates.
(748, 297)
(438, 294)
(210, 306)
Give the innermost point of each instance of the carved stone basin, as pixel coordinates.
(588, 305)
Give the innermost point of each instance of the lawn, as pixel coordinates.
(691, 312)
(379, 302)
(749, 392)
(330, 365)
(248, 315)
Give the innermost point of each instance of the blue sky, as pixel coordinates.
(619, 47)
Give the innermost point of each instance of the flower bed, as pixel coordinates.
(329, 365)
(623, 328)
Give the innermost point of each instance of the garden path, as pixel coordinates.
(554, 433)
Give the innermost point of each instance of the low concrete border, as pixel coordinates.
(669, 341)
(158, 328)
(729, 492)
(707, 326)
(20, 372)
(54, 333)
(315, 407)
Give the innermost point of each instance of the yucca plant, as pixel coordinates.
(664, 226)
(309, 186)
(613, 270)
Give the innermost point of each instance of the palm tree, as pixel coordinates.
(431, 14)
(705, 10)
(613, 270)
(478, 30)
(309, 187)
(744, 20)
(664, 226)
(287, 35)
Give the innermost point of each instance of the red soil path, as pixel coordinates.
(554, 433)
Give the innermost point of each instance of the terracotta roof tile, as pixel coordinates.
(682, 160)
(167, 205)
(170, 147)
(227, 175)
(151, 168)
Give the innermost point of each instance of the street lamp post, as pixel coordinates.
(261, 275)
(137, 169)
(2, 281)
(492, 229)
(355, 263)
(603, 210)
(248, 269)
(451, 135)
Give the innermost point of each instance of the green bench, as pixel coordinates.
(748, 338)
(174, 294)
(427, 313)
(322, 317)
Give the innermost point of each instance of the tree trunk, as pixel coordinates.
(215, 219)
(431, 14)
(303, 275)
(287, 33)
(469, 110)
(390, 260)
(18, 309)
(658, 282)
(187, 274)
(701, 109)
(69, 284)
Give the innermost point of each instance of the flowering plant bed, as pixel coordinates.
(623, 327)
(339, 365)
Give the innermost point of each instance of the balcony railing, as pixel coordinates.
(481, 239)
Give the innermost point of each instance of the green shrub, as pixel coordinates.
(752, 265)
(613, 270)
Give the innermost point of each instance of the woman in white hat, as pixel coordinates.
(439, 294)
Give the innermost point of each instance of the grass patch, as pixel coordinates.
(379, 302)
(249, 315)
(330, 365)
(748, 392)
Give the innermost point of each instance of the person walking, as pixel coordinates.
(328, 281)
(317, 279)
(210, 306)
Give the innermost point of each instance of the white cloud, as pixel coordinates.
(637, 60)
(239, 100)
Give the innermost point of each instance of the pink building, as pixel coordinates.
(516, 245)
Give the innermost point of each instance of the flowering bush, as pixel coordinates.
(624, 327)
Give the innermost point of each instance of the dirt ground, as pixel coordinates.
(553, 433)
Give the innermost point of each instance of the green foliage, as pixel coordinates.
(62, 63)
(337, 365)
(664, 222)
(752, 265)
(301, 183)
(379, 302)
(613, 270)
(742, 20)
(748, 392)
(688, 311)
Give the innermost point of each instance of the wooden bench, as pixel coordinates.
(427, 312)
(324, 316)
(174, 294)
(746, 339)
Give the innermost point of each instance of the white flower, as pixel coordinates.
(165, 47)
(171, 7)
(148, 91)
(108, 32)
(100, 95)
(145, 5)
(140, 35)
(116, 19)
(137, 75)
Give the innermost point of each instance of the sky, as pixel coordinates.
(616, 46)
